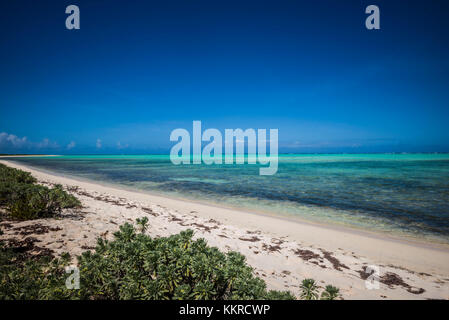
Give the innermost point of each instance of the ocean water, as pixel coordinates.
(403, 194)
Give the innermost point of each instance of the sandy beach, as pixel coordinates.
(282, 252)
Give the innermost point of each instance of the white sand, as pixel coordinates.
(282, 251)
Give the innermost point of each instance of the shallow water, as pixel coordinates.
(397, 193)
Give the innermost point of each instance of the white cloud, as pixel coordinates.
(98, 144)
(11, 140)
(13, 143)
(71, 145)
(46, 143)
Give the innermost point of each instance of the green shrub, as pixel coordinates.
(25, 200)
(15, 175)
(330, 293)
(29, 201)
(23, 277)
(62, 200)
(279, 295)
(9, 178)
(142, 224)
(309, 289)
(5, 192)
(135, 266)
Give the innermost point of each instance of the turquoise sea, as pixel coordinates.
(403, 194)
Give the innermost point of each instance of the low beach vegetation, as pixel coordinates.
(23, 199)
(135, 266)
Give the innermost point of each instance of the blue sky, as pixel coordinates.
(137, 70)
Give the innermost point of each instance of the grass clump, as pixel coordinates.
(23, 199)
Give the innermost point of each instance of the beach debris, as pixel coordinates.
(174, 218)
(270, 248)
(28, 248)
(253, 232)
(334, 261)
(34, 229)
(306, 254)
(150, 211)
(391, 280)
(277, 241)
(251, 239)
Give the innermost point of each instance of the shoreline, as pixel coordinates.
(339, 227)
(421, 265)
(27, 155)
